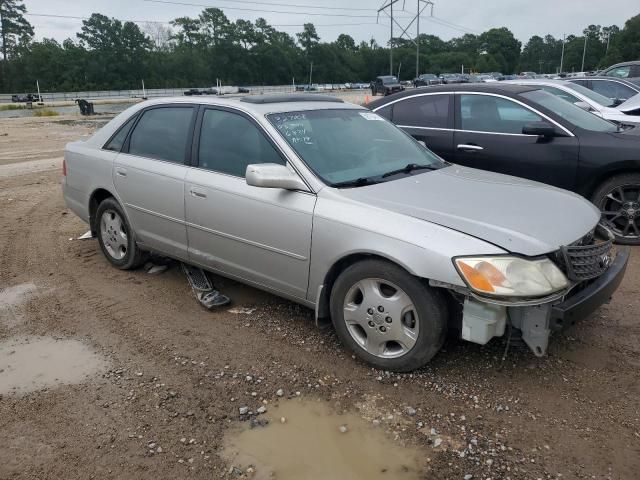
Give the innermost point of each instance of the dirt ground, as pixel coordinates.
(173, 372)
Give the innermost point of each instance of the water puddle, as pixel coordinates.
(28, 364)
(315, 443)
(10, 299)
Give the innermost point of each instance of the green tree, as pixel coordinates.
(308, 38)
(15, 30)
(504, 47)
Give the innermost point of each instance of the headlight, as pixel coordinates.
(511, 276)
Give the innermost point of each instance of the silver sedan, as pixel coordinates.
(329, 205)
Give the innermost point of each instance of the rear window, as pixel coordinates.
(117, 141)
(423, 111)
(162, 133)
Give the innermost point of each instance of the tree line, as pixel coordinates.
(110, 54)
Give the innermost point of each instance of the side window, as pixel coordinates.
(423, 111)
(620, 72)
(162, 133)
(229, 143)
(385, 111)
(484, 113)
(612, 89)
(117, 141)
(561, 93)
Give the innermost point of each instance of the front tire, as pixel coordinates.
(618, 199)
(115, 236)
(389, 318)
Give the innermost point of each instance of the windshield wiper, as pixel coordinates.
(358, 182)
(408, 169)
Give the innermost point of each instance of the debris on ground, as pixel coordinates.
(85, 236)
(203, 288)
(242, 310)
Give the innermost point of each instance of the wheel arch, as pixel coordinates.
(619, 168)
(97, 196)
(339, 266)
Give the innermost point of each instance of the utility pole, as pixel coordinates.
(584, 52)
(418, 13)
(608, 38)
(540, 62)
(310, 73)
(564, 36)
(388, 4)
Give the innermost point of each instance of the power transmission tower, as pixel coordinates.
(421, 6)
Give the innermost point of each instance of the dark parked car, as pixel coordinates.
(449, 78)
(192, 91)
(29, 97)
(627, 70)
(527, 132)
(386, 85)
(614, 88)
(427, 79)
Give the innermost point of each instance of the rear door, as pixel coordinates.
(427, 117)
(149, 177)
(489, 136)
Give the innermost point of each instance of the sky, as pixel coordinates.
(451, 18)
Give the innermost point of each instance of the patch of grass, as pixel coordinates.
(45, 113)
(11, 106)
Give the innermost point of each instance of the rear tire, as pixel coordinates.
(389, 318)
(618, 198)
(115, 236)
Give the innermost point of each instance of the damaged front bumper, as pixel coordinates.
(483, 319)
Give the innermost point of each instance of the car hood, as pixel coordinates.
(630, 105)
(518, 215)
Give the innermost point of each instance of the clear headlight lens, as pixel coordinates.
(511, 276)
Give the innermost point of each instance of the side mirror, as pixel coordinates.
(617, 101)
(583, 105)
(421, 142)
(272, 175)
(541, 129)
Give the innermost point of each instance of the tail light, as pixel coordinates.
(64, 167)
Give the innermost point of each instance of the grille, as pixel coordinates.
(587, 258)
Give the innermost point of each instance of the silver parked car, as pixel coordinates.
(328, 204)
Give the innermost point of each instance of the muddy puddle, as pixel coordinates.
(315, 443)
(28, 364)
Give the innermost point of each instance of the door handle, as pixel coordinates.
(469, 148)
(122, 172)
(197, 193)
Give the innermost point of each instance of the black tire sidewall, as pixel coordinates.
(132, 257)
(607, 186)
(430, 306)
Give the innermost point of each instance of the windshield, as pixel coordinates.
(570, 112)
(386, 80)
(595, 96)
(350, 145)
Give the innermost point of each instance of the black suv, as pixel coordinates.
(427, 79)
(527, 132)
(386, 85)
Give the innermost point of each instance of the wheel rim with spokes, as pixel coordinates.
(114, 234)
(381, 318)
(621, 211)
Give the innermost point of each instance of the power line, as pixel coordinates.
(316, 14)
(73, 17)
(292, 5)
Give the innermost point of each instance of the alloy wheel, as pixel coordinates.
(381, 318)
(621, 211)
(114, 234)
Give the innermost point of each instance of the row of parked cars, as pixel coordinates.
(396, 234)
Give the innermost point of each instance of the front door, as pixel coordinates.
(489, 136)
(149, 177)
(261, 235)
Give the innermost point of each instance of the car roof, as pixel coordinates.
(501, 88)
(262, 105)
(538, 81)
(623, 64)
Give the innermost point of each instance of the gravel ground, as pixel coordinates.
(175, 372)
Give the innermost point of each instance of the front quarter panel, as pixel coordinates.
(343, 227)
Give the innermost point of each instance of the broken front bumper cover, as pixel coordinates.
(537, 322)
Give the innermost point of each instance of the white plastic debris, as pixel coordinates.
(85, 236)
(242, 310)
